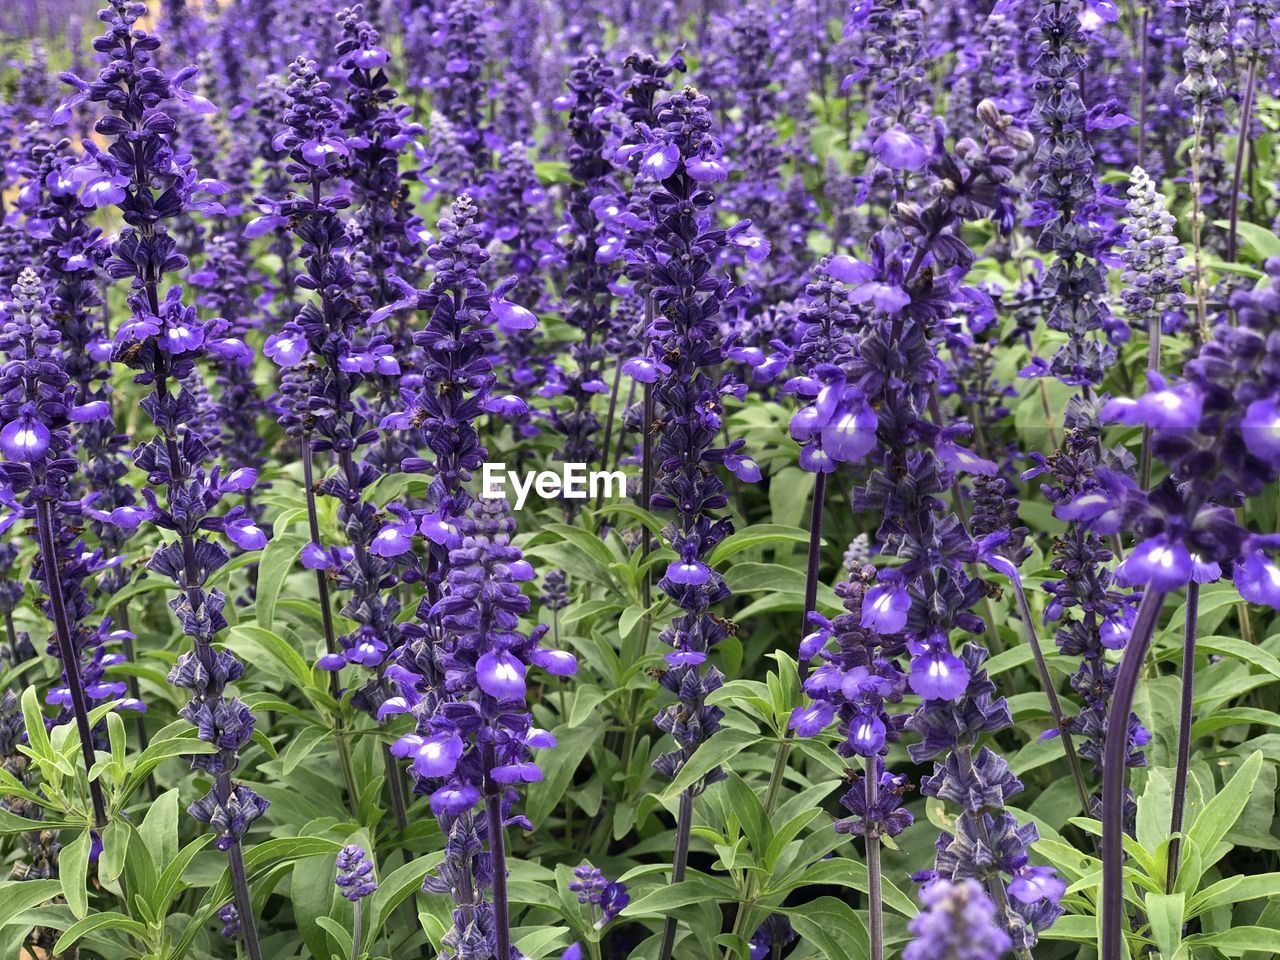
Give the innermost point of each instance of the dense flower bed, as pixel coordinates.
(714, 481)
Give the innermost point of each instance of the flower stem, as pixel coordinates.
(139, 719)
(1153, 366)
(1242, 148)
(875, 893)
(68, 653)
(608, 427)
(1184, 733)
(774, 789)
(244, 902)
(498, 861)
(355, 933)
(1115, 750)
(1046, 681)
(322, 580)
(679, 860)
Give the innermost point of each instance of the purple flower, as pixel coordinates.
(1163, 562)
(354, 879)
(885, 607)
(958, 922)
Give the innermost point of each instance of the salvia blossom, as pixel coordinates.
(37, 406)
(1065, 204)
(1215, 431)
(1152, 278)
(472, 738)
(355, 879)
(587, 254)
(684, 351)
(162, 340)
(957, 923)
(605, 897)
(1207, 57)
(334, 329)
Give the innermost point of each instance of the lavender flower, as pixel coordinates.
(162, 341)
(472, 740)
(606, 898)
(37, 405)
(355, 879)
(957, 923)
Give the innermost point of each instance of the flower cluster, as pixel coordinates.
(683, 352)
(143, 174)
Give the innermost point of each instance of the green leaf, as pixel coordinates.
(586, 541)
(37, 735)
(1237, 940)
(11, 823)
(1262, 241)
(572, 744)
(276, 648)
(99, 921)
(1248, 652)
(159, 829)
(278, 560)
(833, 927)
(19, 896)
(170, 882)
(751, 815)
(396, 887)
(300, 748)
(729, 742)
(1165, 913)
(1234, 890)
(754, 536)
(695, 888)
(1221, 813)
(73, 865)
(339, 933)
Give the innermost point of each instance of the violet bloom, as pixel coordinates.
(37, 407)
(1067, 209)
(835, 425)
(958, 922)
(334, 330)
(605, 897)
(355, 878)
(687, 403)
(591, 272)
(474, 738)
(162, 341)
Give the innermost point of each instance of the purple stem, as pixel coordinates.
(875, 895)
(1242, 147)
(1046, 681)
(1184, 733)
(684, 824)
(69, 654)
(497, 857)
(1115, 750)
(322, 581)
